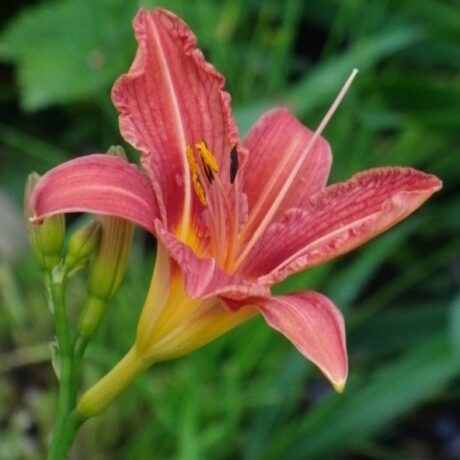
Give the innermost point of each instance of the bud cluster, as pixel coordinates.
(102, 244)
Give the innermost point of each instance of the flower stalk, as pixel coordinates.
(98, 397)
(66, 425)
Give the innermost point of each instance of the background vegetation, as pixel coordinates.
(249, 395)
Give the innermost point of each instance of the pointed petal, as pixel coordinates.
(338, 220)
(170, 98)
(99, 184)
(278, 146)
(314, 326)
(203, 277)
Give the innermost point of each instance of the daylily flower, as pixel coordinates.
(231, 217)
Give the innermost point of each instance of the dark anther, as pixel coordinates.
(233, 164)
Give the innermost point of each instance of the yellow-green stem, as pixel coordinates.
(104, 392)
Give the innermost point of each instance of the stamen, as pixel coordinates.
(199, 189)
(233, 164)
(218, 203)
(207, 156)
(197, 185)
(212, 193)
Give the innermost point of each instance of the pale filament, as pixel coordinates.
(226, 217)
(212, 217)
(216, 217)
(234, 229)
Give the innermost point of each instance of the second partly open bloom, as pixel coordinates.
(232, 217)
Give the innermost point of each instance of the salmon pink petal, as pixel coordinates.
(315, 327)
(293, 170)
(338, 220)
(99, 184)
(171, 98)
(203, 277)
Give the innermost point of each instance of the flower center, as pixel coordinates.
(221, 205)
(207, 165)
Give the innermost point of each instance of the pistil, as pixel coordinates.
(268, 215)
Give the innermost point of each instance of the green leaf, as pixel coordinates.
(455, 324)
(344, 421)
(68, 50)
(348, 283)
(325, 80)
(292, 372)
(414, 322)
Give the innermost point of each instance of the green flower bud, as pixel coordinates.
(47, 238)
(82, 244)
(117, 150)
(92, 315)
(106, 272)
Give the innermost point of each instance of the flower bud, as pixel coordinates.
(47, 238)
(117, 150)
(82, 244)
(106, 272)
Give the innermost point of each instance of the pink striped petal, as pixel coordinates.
(338, 220)
(203, 277)
(282, 170)
(170, 98)
(315, 327)
(99, 184)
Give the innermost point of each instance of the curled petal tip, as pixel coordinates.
(314, 326)
(339, 386)
(437, 183)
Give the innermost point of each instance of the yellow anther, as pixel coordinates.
(191, 159)
(199, 189)
(197, 185)
(207, 156)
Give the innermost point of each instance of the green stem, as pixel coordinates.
(62, 443)
(66, 423)
(79, 348)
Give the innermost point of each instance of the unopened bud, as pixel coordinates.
(82, 244)
(118, 151)
(47, 238)
(106, 272)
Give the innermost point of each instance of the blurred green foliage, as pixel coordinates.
(250, 395)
